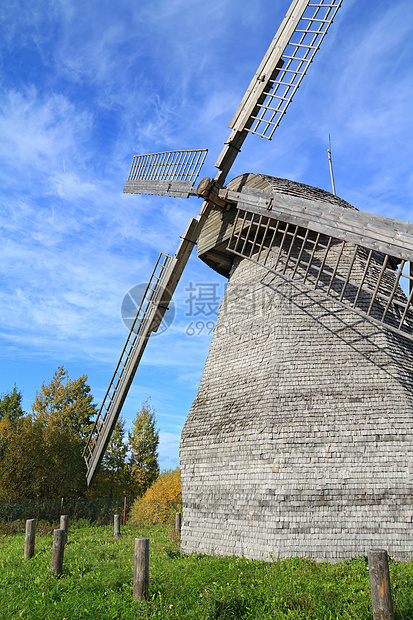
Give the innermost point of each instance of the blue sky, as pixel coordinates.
(87, 85)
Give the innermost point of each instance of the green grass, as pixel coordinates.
(98, 573)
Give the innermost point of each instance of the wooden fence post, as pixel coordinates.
(29, 539)
(380, 585)
(64, 524)
(178, 522)
(141, 569)
(59, 539)
(116, 527)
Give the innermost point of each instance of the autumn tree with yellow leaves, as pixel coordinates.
(65, 404)
(161, 501)
(41, 453)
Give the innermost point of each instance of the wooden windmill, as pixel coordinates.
(328, 264)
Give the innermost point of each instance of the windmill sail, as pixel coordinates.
(172, 173)
(358, 259)
(161, 287)
(284, 66)
(279, 75)
(148, 316)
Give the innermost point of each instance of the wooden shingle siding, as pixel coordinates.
(300, 439)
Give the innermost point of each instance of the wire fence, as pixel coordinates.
(99, 511)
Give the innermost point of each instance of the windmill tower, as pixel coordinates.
(300, 439)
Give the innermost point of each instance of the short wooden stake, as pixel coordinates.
(59, 539)
(141, 569)
(116, 527)
(30, 538)
(64, 524)
(380, 585)
(178, 522)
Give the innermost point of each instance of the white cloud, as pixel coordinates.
(68, 185)
(37, 131)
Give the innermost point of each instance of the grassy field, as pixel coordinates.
(98, 572)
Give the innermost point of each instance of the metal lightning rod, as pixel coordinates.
(330, 163)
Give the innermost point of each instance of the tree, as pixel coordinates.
(160, 502)
(41, 453)
(11, 405)
(143, 446)
(6, 431)
(19, 471)
(113, 477)
(10, 413)
(65, 404)
(42, 462)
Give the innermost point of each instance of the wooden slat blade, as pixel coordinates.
(171, 173)
(161, 287)
(278, 76)
(390, 236)
(352, 262)
(180, 189)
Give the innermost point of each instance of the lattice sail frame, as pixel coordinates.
(144, 323)
(369, 282)
(278, 75)
(172, 173)
(298, 54)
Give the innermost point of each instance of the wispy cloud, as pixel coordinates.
(38, 132)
